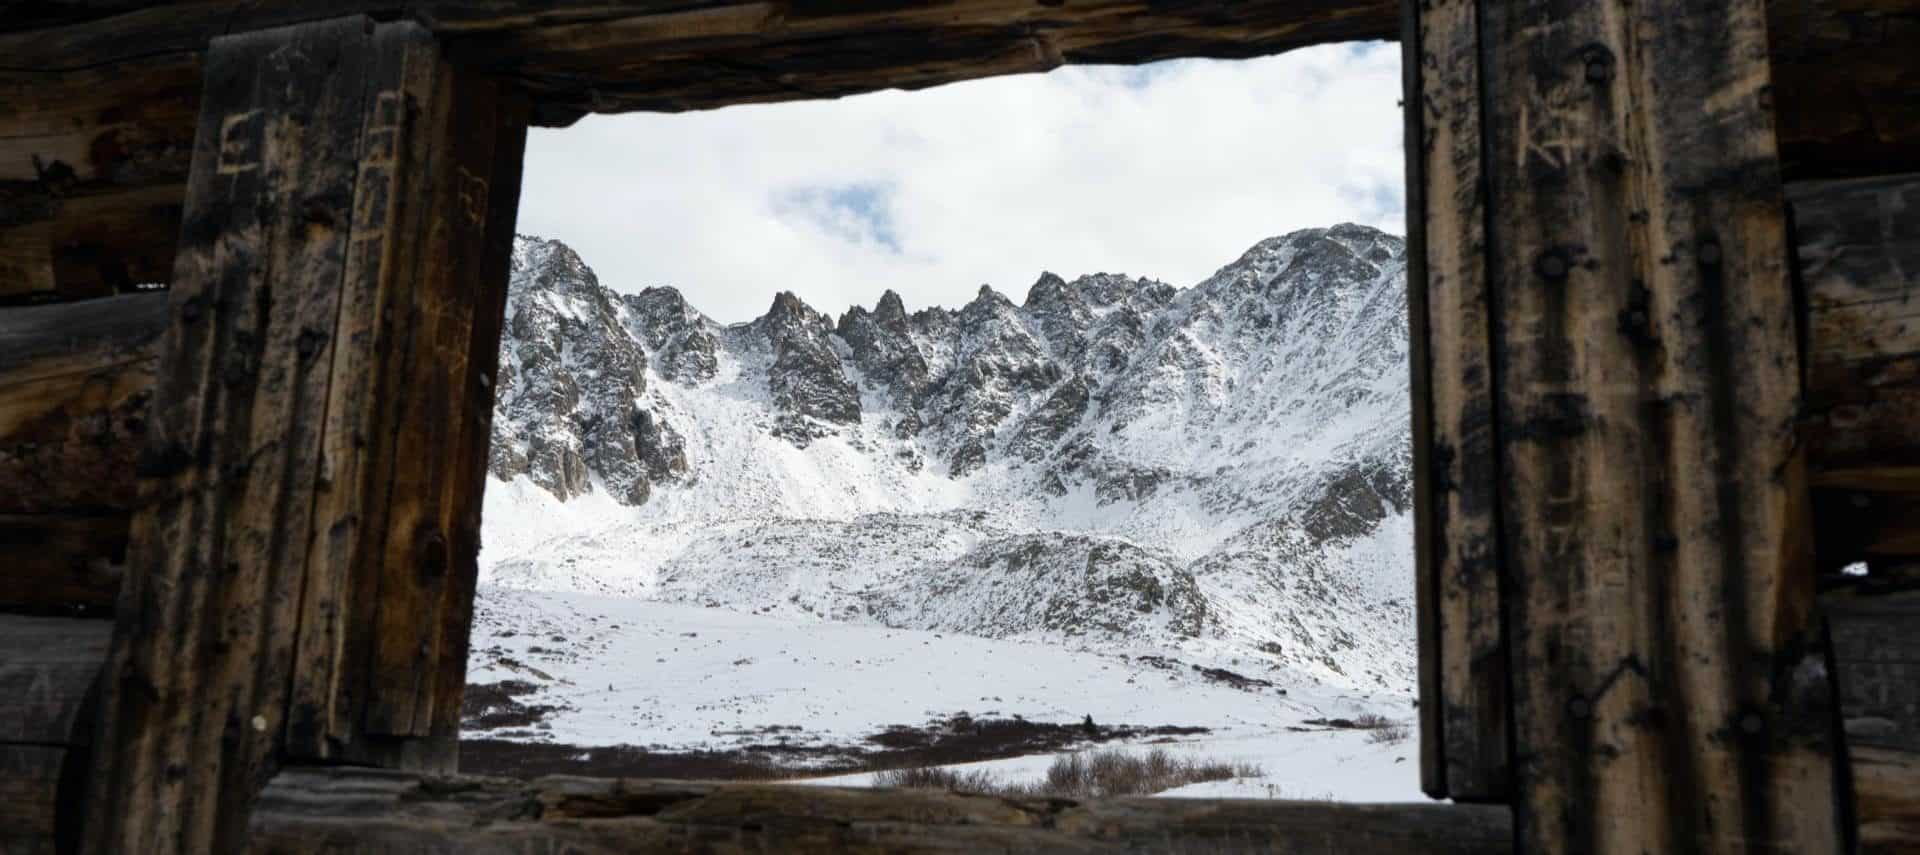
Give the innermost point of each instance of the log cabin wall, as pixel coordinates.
(1662, 266)
(1643, 449)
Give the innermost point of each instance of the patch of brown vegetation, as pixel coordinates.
(1107, 772)
(959, 739)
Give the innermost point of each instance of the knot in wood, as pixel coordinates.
(317, 212)
(238, 371)
(1709, 251)
(1847, 416)
(1552, 265)
(1579, 707)
(55, 178)
(1599, 61)
(430, 553)
(309, 343)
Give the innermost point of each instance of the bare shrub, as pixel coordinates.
(938, 778)
(1392, 734)
(1112, 772)
(1380, 729)
(1108, 772)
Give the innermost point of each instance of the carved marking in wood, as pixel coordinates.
(241, 137)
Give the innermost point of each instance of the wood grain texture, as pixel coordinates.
(195, 689)
(1458, 532)
(75, 383)
(1845, 73)
(62, 564)
(329, 810)
(30, 798)
(389, 600)
(1668, 694)
(47, 666)
(1858, 245)
(672, 54)
(93, 166)
(1433, 773)
(1876, 655)
(294, 576)
(584, 57)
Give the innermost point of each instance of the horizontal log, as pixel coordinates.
(1876, 654)
(1842, 73)
(1886, 794)
(47, 666)
(29, 798)
(75, 379)
(56, 564)
(1858, 244)
(1844, 77)
(92, 169)
(345, 809)
(738, 53)
(98, 100)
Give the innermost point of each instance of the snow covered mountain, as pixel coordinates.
(1220, 472)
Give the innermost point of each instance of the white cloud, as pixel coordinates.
(1168, 171)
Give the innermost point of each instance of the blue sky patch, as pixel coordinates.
(856, 213)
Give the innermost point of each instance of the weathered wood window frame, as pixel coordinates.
(1606, 303)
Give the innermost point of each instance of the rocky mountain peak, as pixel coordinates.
(683, 342)
(891, 312)
(1041, 382)
(811, 392)
(1114, 456)
(1048, 291)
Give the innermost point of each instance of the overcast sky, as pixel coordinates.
(1169, 170)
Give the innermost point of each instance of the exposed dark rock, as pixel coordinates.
(807, 379)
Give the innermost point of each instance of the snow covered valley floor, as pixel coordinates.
(564, 682)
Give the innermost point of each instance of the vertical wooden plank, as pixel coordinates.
(329, 692)
(425, 285)
(1669, 694)
(1459, 530)
(455, 618)
(196, 682)
(429, 419)
(1433, 778)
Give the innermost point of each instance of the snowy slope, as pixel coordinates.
(1113, 466)
(681, 677)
